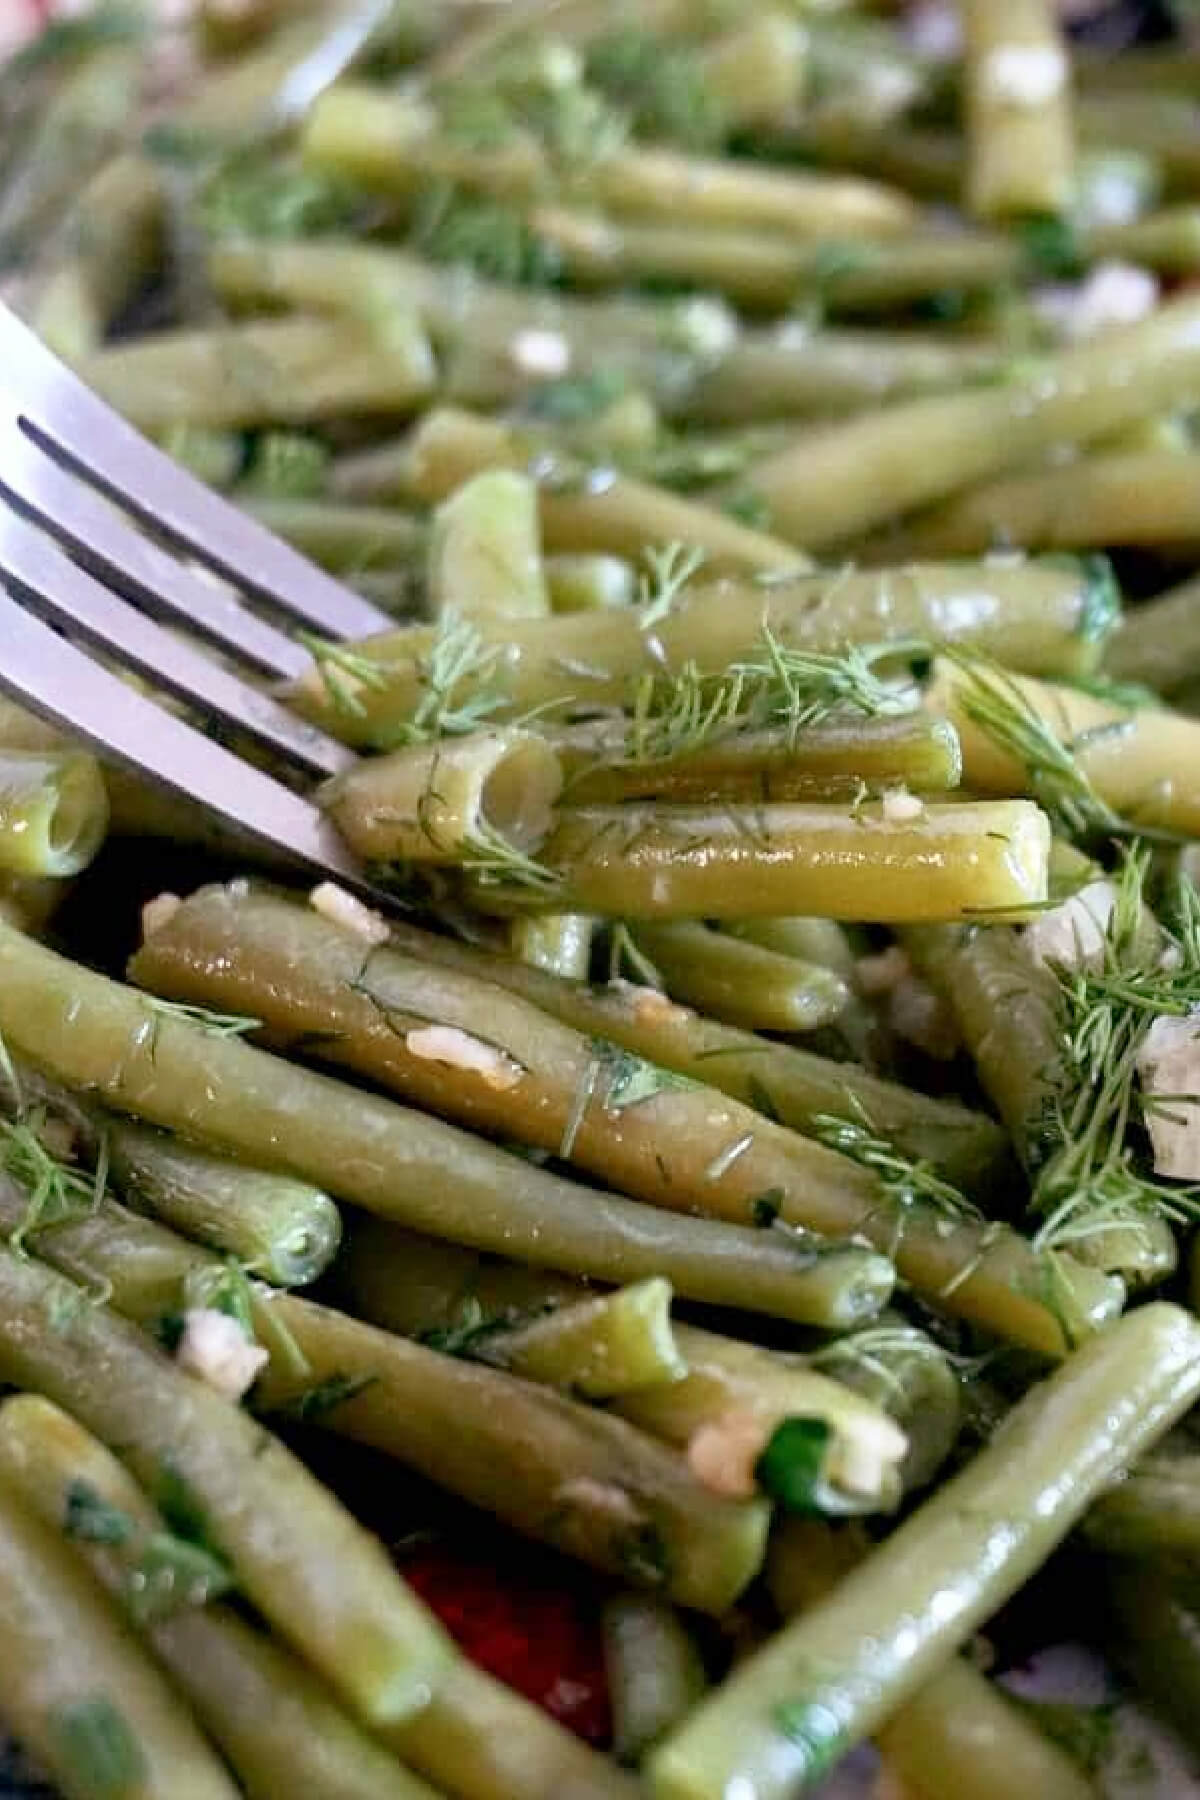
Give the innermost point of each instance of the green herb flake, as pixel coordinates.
(790, 1468)
(94, 1743)
(89, 1519)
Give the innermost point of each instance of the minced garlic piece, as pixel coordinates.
(723, 1454)
(215, 1348)
(159, 912)
(459, 1050)
(1169, 1066)
(340, 908)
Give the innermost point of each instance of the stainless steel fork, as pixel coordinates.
(106, 544)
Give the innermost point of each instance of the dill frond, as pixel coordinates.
(907, 1182)
(57, 1190)
(215, 1024)
(457, 660)
(668, 571)
(344, 671)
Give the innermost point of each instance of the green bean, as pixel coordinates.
(346, 539)
(53, 812)
(392, 143)
(1050, 618)
(830, 761)
(30, 901)
(450, 801)
(284, 1230)
(1006, 1007)
(279, 1727)
(694, 861)
(604, 511)
(767, 375)
(838, 482)
(480, 1740)
(655, 1673)
(83, 1697)
(280, 1532)
(1160, 645)
(1141, 497)
(233, 948)
(1143, 762)
(1020, 145)
(142, 1060)
(742, 983)
(271, 369)
(734, 1397)
(756, 72)
(560, 943)
(1153, 1633)
(598, 1349)
(485, 556)
(79, 127)
(108, 246)
(1153, 1511)
(496, 1062)
(825, 943)
(582, 1480)
(589, 582)
(958, 1738)
(835, 1674)
(790, 1085)
(911, 1377)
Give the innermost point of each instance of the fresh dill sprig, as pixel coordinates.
(624, 953)
(57, 1190)
(214, 1024)
(492, 859)
(452, 226)
(662, 84)
(1096, 1174)
(778, 688)
(344, 672)
(991, 699)
(454, 700)
(668, 571)
(907, 1182)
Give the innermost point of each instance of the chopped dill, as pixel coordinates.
(452, 674)
(624, 953)
(495, 240)
(313, 1403)
(663, 85)
(213, 1024)
(668, 571)
(907, 1182)
(618, 1079)
(57, 1190)
(344, 672)
(494, 860)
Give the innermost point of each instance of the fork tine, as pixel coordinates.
(74, 427)
(124, 559)
(54, 585)
(61, 683)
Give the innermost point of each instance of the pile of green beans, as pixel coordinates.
(726, 1179)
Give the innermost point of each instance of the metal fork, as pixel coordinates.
(80, 491)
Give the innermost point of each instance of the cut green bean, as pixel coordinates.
(838, 482)
(1050, 618)
(582, 510)
(830, 761)
(830, 1678)
(469, 801)
(655, 1673)
(53, 812)
(1145, 497)
(140, 1059)
(598, 1349)
(280, 1729)
(959, 1737)
(273, 369)
(1153, 1511)
(742, 983)
(83, 1697)
(583, 1480)
(1020, 148)
(946, 862)
(1159, 647)
(1153, 1634)
(350, 540)
(393, 142)
(589, 582)
(1144, 762)
(281, 1229)
(484, 555)
(279, 1530)
(560, 943)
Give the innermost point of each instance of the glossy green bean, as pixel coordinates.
(1020, 145)
(836, 483)
(284, 1230)
(349, 540)
(280, 1729)
(740, 982)
(1050, 617)
(143, 1061)
(834, 1675)
(279, 1530)
(655, 1673)
(53, 812)
(484, 554)
(598, 1348)
(559, 943)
